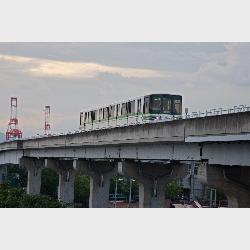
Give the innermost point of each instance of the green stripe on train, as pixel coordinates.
(120, 118)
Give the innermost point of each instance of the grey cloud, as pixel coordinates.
(207, 75)
(163, 56)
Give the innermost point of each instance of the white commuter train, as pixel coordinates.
(144, 109)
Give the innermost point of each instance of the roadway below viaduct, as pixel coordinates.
(153, 154)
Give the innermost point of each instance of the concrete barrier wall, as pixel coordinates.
(218, 125)
(170, 131)
(11, 145)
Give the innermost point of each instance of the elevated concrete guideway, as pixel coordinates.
(209, 138)
(237, 124)
(176, 130)
(221, 140)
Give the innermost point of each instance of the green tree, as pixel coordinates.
(49, 182)
(39, 201)
(172, 190)
(11, 197)
(123, 186)
(82, 184)
(16, 176)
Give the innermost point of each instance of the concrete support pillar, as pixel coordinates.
(239, 197)
(66, 173)
(234, 182)
(66, 186)
(152, 179)
(100, 173)
(152, 193)
(34, 167)
(34, 180)
(232, 201)
(99, 191)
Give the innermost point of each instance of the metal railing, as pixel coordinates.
(207, 113)
(218, 111)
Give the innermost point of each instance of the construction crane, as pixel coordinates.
(13, 132)
(47, 126)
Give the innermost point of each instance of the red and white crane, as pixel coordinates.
(13, 132)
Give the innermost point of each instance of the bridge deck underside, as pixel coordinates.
(236, 153)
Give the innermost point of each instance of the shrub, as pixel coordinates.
(11, 197)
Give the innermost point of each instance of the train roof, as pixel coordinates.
(128, 100)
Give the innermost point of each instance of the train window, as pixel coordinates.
(96, 115)
(129, 107)
(177, 107)
(166, 105)
(146, 105)
(92, 116)
(132, 107)
(108, 112)
(124, 109)
(138, 106)
(105, 113)
(117, 110)
(112, 111)
(81, 118)
(155, 104)
(100, 114)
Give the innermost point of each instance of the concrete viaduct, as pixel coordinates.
(153, 154)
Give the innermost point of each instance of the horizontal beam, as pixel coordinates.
(183, 152)
(10, 157)
(219, 138)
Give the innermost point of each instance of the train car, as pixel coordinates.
(144, 109)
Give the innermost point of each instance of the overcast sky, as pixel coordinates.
(74, 76)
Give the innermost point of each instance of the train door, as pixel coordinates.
(139, 111)
(87, 121)
(96, 123)
(101, 118)
(112, 119)
(131, 113)
(93, 119)
(105, 117)
(81, 121)
(118, 114)
(146, 114)
(124, 115)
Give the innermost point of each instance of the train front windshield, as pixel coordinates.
(156, 104)
(166, 104)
